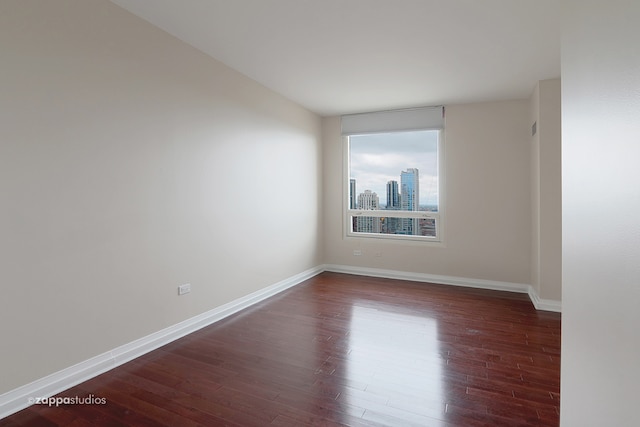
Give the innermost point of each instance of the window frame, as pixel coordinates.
(438, 217)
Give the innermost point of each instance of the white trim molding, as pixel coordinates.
(544, 304)
(18, 399)
(538, 303)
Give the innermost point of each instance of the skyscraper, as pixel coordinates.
(352, 193)
(391, 225)
(352, 203)
(368, 201)
(393, 197)
(410, 198)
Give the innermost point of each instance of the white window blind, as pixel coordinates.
(424, 118)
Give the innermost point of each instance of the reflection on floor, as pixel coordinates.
(341, 350)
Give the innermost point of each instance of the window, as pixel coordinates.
(394, 187)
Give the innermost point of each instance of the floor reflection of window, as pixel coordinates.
(397, 357)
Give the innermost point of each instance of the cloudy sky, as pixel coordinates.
(378, 158)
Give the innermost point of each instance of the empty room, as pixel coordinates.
(305, 212)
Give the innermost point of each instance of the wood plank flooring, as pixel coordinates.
(341, 350)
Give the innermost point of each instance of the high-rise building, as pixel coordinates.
(393, 196)
(390, 225)
(352, 193)
(410, 198)
(352, 202)
(368, 201)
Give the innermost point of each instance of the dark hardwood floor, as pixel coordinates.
(341, 350)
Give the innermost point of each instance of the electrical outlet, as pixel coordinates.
(184, 289)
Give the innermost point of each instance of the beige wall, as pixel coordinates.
(534, 117)
(546, 260)
(600, 211)
(487, 221)
(131, 163)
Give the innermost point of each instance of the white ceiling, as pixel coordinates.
(346, 56)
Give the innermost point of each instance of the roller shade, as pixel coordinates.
(424, 118)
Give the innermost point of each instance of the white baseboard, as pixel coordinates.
(18, 399)
(430, 278)
(544, 304)
(538, 303)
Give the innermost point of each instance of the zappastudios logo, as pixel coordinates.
(68, 400)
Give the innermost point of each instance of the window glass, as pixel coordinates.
(397, 176)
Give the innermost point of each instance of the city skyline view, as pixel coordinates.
(376, 159)
(403, 196)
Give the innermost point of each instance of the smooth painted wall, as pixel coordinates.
(600, 212)
(546, 190)
(131, 163)
(487, 216)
